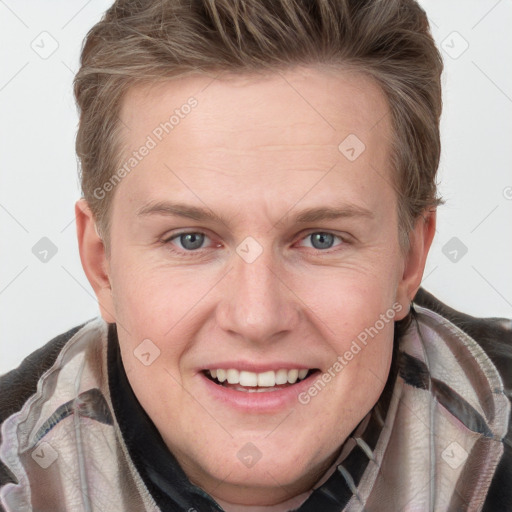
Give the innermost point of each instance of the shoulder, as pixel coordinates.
(494, 335)
(18, 385)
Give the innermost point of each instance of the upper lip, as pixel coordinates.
(256, 367)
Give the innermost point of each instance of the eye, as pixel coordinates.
(191, 241)
(322, 240)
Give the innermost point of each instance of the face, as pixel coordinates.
(249, 247)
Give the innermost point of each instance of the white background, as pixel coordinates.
(39, 183)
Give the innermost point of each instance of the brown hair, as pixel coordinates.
(147, 40)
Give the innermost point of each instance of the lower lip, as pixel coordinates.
(257, 402)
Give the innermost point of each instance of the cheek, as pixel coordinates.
(358, 375)
(348, 300)
(154, 299)
(354, 314)
(153, 305)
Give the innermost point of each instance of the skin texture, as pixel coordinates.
(256, 151)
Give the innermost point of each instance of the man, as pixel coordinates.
(259, 202)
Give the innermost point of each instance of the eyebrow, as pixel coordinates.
(308, 215)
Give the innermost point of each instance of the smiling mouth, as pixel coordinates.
(251, 382)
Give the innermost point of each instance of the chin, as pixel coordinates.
(258, 468)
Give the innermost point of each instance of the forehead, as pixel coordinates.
(258, 131)
(331, 101)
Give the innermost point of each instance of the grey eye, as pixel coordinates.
(322, 240)
(191, 241)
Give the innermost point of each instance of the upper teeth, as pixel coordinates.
(264, 379)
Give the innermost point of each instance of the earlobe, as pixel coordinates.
(94, 260)
(414, 263)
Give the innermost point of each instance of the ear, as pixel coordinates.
(94, 260)
(414, 262)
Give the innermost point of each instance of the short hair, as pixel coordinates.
(143, 41)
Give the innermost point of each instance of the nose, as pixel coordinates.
(257, 305)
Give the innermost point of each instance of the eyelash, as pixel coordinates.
(188, 253)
